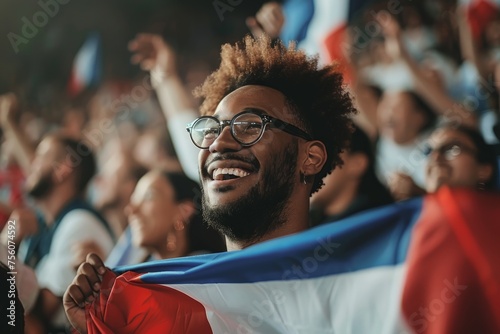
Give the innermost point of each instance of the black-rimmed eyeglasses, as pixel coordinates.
(247, 128)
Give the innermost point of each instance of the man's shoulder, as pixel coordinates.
(80, 220)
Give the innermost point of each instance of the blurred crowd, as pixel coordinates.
(118, 174)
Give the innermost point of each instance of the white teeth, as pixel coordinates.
(218, 173)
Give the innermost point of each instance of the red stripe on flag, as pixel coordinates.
(445, 289)
(474, 224)
(336, 47)
(127, 305)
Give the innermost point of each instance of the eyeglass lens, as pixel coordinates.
(246, 128)
(449, 152)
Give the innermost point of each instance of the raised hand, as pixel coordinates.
(85, 287)
(26, 224)
(8, 107)
(403, 187)
(269, 20)
(392, 32)
(154, 55)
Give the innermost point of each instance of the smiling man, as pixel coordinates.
(273, 126)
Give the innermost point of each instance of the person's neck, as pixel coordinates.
(52, 204)
(296, 220)
(341, 202)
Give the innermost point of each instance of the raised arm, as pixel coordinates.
(427, 88)
(269, 20)
(468, 46)
(154, 55)
(21, 148)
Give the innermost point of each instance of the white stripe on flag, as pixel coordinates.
(344, 303)
(328, 14)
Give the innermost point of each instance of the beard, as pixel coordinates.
(42, 187)
(262, 209)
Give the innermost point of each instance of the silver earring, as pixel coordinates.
(303, 178)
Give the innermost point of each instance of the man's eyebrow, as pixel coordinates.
(252, 109)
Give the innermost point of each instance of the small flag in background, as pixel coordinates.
(86, 71)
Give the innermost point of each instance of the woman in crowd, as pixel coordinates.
(457, 156)
(164, 216)
(352, 188)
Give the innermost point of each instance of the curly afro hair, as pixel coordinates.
(316, 95)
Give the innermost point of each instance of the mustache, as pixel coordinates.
(251, 160)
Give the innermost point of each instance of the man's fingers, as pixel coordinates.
(97, 263)
(90, 273)
(139, 39)
(85, 286)
(76, 295)
(136, 58)
(254, 27)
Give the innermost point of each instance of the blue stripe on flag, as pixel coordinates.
(378, 237)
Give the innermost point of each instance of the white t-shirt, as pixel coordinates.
(55, 270)
(408, 159)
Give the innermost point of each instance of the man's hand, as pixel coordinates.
(154, 55)
(269, 20)
(8, 107)
(85, 287)
(403, 187)
(26, 224)
(392, 33)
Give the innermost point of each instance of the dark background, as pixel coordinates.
(39, 72)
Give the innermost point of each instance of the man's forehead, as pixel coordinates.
(269, 100)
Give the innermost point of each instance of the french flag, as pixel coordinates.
(86, 70)
(327, 31)
(428, 265)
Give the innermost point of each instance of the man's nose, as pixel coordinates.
(437, 155)
(225, 142)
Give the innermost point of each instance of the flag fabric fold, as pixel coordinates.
(366, 274)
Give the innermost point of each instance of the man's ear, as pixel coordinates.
(315, 158)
